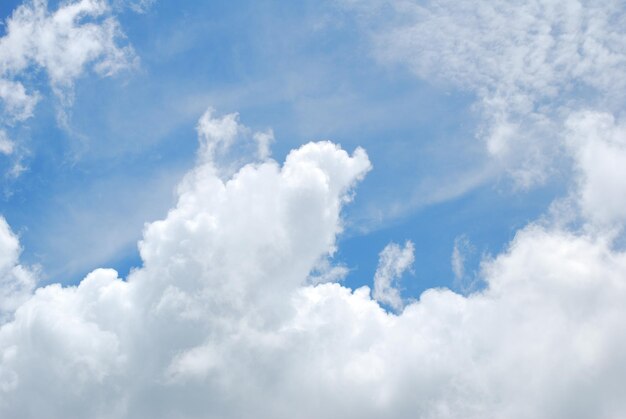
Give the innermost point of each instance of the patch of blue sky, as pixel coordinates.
(7, 7)
(301, 68)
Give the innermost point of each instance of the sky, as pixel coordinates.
(342, 208)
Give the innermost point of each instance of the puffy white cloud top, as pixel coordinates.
(221, 321)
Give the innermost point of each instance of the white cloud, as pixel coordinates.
(6, 145)
(64, 43)
(16, 281)
(530, 65)
(598, 145)
(222, 321)
(138, 6)
(461, 247)
(464, 282)
(217, 135)
(325, 271)
(264, 140)
(18, 105)
(231, 252)
(393, 261)
(225, 320)
(543, 46)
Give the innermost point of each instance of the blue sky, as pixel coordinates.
(304, 69)
(312, 209)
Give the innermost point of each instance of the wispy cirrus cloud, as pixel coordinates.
(529, 64)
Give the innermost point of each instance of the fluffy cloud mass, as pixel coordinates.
(237, 309)
(16, 281)
(222, 321)
(598, 142)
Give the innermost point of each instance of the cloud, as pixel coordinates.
(6, 145)
(393, 261)
(325, 271)
(462, 247)
(217, 136)
(598, 143)
(230, 251)
(216, 133)
(65, 43)
(264, 140)
(222, 319)
(137, 6)
(18, 105)
(17, 282)
(226, 319)
(529, 64)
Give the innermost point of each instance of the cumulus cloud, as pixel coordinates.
(222, 267)
(529, 64)
(598, 143)
(236, 312)
(16, 281)
(392, 263)
(223, 321)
